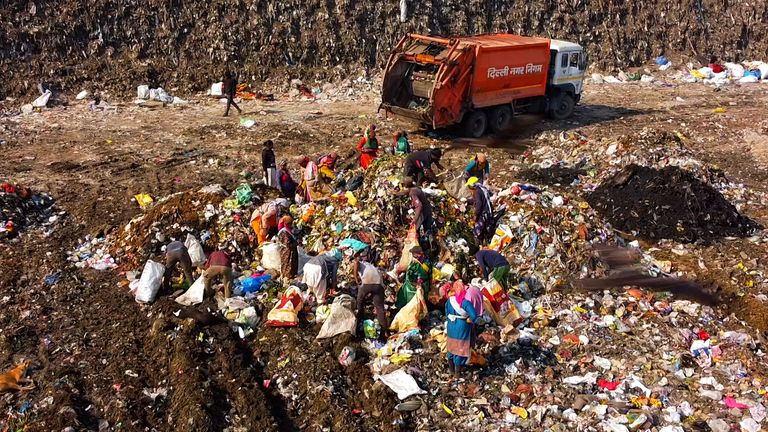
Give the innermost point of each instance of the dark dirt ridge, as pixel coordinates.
(118, 44)
(669, 203)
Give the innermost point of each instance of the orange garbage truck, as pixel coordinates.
(480, 82)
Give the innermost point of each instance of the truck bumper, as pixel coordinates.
(421, 116)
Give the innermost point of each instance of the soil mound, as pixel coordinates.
(669, 203)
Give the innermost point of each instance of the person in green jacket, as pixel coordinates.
(419, 272)
(400, 144)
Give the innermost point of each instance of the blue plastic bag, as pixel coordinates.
(254, 284)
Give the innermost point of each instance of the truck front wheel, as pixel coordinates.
(475, 124)
(501, 118)
(561, 106)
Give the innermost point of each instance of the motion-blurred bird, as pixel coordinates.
(625, 270)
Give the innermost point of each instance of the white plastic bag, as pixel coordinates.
(142, 92)
(194, 294)
(401, 383)
(270, 258)
(195, 250)
(341, 318)
(216, 89)
(42, 100)
(150, 281)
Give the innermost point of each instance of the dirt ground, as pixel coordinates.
(95, 351)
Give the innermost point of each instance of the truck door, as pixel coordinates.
(576, 66)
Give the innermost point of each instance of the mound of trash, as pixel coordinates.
(21, 208)
(326, 39)
(668, 203)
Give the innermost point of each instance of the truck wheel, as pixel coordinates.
(475, 123)
(501, 118)
(562, 106)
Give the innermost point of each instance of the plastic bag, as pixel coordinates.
(195, 250)
(270, 258)
(286, 311)
(243, 193)
(194, 295)
(149, 283)
(341, 319)
(142, 92)
(401, 383)
(42, 101)
(254, 284)
(216, 89)
(408, 317)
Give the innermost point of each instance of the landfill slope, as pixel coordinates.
(116, 45)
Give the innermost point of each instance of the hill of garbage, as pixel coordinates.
(116, 45)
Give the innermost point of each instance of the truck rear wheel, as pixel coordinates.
(474, 124)
(561, 106)
(501, 118)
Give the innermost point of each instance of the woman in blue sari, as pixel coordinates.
(461, 317)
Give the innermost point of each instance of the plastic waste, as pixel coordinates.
(42, 100)
(142, 92)
(150, 281)
(193, 295)
(401, 383)
(195, 250)
(341, 319)
(270, 258)
(347, 356)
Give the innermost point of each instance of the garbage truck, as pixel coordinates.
(480, 82)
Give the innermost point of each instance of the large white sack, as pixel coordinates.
(150, 281)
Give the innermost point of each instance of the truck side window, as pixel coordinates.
(564, 60)
(583, 62)
(574, 60)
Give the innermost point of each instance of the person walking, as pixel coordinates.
(229, 87)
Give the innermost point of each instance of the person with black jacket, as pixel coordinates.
(229, 86)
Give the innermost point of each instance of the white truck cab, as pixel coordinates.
(568, 64)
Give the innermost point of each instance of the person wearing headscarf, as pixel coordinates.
(368, 147)
(321, 273)
(289, 252)
(481, 200)
(326, 167)
(478, 167)
(285, 182)
(265, 218)
(308, 178)
(461, 317)
(400, 144)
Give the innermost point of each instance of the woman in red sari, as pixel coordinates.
(368, 147)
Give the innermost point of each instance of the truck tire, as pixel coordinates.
(474, 124)
(501, 118)
(561, 106)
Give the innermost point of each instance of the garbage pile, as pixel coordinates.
(22, 208)
(668, 204)
(546, 357)
(297, 38)
(746, 72)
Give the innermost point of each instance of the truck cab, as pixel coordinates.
(568, 64)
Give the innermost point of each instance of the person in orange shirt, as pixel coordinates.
(368, 147)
